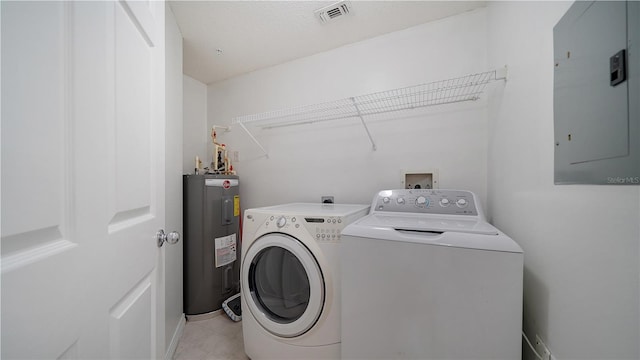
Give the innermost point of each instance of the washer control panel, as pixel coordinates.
(426, 201)
(324, 229)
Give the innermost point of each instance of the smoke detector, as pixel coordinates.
(333, 11)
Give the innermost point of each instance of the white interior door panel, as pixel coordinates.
(82, 179)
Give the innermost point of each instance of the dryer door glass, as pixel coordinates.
(280, 284)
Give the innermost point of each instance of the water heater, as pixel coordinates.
(211, 241)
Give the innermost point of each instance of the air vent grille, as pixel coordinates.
(333, 11)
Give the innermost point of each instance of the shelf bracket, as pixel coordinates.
(225, 128)
(266, 154)
(373, 144)
(502, 73)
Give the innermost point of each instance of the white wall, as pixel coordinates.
(581, 242)
(172, 254)
(336, 158)
(195, 135)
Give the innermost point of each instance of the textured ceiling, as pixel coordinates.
(257, 34)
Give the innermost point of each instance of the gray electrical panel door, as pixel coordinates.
(596, 116)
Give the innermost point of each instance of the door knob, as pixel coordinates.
(171, 238)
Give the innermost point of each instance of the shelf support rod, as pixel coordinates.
(373, 144)
(254, 139)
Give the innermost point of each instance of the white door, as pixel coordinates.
(82, 178)
(172, 261)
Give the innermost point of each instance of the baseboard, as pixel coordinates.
(171, 349)
(206, 316)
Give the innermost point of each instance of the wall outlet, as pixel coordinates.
(542, 349)
(326, 199)
(236, 156)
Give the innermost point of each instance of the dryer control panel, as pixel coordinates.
(426, 201)
(325, 229)
(322, 228)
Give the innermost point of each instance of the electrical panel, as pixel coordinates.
(597, 94)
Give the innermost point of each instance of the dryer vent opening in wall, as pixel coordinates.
(333, 12)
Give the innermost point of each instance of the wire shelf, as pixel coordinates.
(465, 88)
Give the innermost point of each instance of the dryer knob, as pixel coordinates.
(282, 221)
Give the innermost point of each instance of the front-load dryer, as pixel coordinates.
(425, 276)
(290, 279)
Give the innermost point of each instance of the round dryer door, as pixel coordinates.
(283, 284)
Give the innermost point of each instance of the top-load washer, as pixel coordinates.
(290, 279)
(425, 276)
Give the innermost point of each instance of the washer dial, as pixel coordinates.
(422, 201)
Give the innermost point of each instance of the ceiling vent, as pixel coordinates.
(333, 11)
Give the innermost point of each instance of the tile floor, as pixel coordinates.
(217, 338)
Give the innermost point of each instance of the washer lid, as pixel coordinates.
(426, 230)
(430, 223)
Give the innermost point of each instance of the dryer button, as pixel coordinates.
(282, 221)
